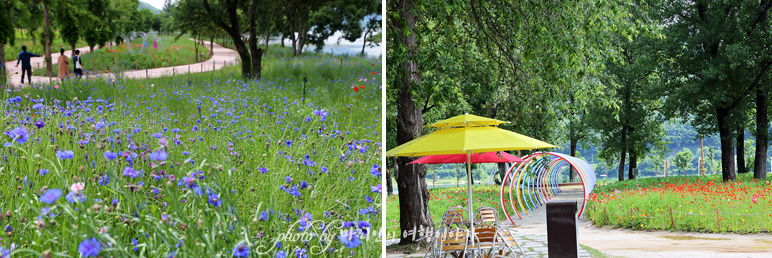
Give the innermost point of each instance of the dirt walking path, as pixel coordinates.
(220, 58)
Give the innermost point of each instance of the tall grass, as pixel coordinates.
(248, 162)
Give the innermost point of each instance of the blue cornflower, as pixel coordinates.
(376, 189)
(288, 179)
(39, 124)
(158, 155)
(130, 172)
(89, 247)
(5, 253)
(111, 155)
(376, 170)
(68, 154)
(350, 239)
(288, 143)
(368, 199)
(37, 106)
(281, 254)
(307, 161)
(301, 253)
(18, 135)
(264, 216)
(157, 135)
(263, 170)
(303, 185)
(240, 251)
(99, 125)
(51, 196)
(324, 170)
(43, 171)
(185, 153)
(73, 197)
(294, 191)
(364, 226)
(214, 199)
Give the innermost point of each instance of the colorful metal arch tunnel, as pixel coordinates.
(537, 181)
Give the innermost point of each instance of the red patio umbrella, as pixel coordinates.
(485, 157)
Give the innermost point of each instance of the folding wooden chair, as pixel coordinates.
(486, 216)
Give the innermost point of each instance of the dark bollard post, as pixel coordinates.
(562, 233)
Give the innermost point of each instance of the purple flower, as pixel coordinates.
(51, 196)
(303, 185)
(376, 189)
(89, 247)
(288, 179)
(368, 199)
(158, 155)
(240, 251)
(281, 254)
(214, 199)
(111, 155)
(263, 170)
(73, 197)
(350, 239)
(68, 154)
(39, 124)
(18, 135)
(321, 113)
(364, 226)
(99, 125)
(376, 171)
(37, 106)
(130, 172)
(288, 143)
(301, 253)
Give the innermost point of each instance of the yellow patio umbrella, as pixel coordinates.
(467, 134)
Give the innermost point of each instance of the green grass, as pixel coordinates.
(121, 58)
(440, 200)
(220, 131)
(702, 204)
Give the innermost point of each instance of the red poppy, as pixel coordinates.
(356, 89)
(362, 87)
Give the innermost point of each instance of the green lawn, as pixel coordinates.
(698, 203)
(197, 165)
(121, 58)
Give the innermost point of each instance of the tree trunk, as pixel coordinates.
(571, 172)
(633, 165)
(364, 43)
(502, 173)
(211, 45)
(727, 150)
(389, 187)
(623, 155)
(3, 71)
(741, 168)
(762, 139)
(471, 176)
(282, 40)
(411, 183)
(47, 43)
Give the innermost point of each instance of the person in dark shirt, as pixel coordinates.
(24, 57)
(78, 65)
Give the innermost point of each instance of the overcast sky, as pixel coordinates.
(156, 3)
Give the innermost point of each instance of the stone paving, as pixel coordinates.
(533, 246)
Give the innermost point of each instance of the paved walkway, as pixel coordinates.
(221, 57)
(625, 243)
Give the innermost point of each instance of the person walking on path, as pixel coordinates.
(64, 63)
(24, 57)
(78, 71)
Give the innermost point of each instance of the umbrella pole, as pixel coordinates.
(469, 186)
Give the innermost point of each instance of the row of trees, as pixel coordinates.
(603, 72)
(245, 22)
(94, 21)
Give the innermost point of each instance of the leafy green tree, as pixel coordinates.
(191, 19)
(7, 33)
(312, 22)
(718, 58)
(683, 160)
(225, 14)
(103, 22)
(69, 15)
(631, 124)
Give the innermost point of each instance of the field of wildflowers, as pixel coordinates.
(204, 165)
(442, 199)
(171, 53)
(693, 203)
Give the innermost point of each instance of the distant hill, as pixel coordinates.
(143, 5)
